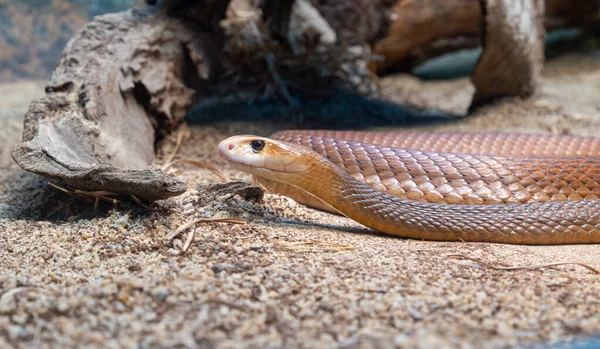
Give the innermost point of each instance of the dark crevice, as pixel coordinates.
(341, 110)
(204, 14)
(65, 87)
(189, 73)
(276, 15)
(142, 95)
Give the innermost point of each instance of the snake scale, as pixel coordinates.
(510, 188)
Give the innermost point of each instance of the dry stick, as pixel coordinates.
(170, 162)
(64, 190)
(189, 239)
(98, 195)
(13, 292)
(185, 226)
(67, 191)
(102, 194)
(138, 201)
(324, 246)
(489, 265)
(182, 128)
(198, 164)
(218, 301)
(60, 207)
(96, 203)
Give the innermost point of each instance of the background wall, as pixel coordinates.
(33, 33)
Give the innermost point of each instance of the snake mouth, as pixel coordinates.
(227, 151)
(259, 170)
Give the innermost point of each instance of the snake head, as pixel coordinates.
(265, 157)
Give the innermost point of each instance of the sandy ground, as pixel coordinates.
(293, 276)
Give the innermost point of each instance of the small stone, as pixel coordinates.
(86, 234)
(20, 318)
(161, 293)
(415, 314)
(62, 306)
(178, 244)
(173, 252)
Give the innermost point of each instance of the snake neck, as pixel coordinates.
(368, 206)
(580, 222)
(356, 200)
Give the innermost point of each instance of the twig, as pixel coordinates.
(12, 292)
(97, 195)
(180, 133)
(231, 305)
(60, 207)
(64, 190)
(185, 226)
(489, 265)
(138, 201)
(189, 330)
(197, 164)
(189, 239)
(315, 246)
(102, 194)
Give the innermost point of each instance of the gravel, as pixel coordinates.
(291, 276)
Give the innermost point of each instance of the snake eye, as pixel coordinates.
(257, 145)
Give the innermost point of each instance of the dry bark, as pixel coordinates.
(423, 29)
(513, 50)
(126, 78)
(121, 80)
(357, 21)
(418, 23)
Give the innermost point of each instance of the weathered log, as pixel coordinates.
(423, 29)
(126, 78)
(417, 23)
(513, 50)
(121, 80)
(358, 21)
(260, 50)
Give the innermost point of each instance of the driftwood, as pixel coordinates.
(117, 83)
(423, 29)
(127, 78)
(513, 50)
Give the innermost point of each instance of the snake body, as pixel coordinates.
(455, 190)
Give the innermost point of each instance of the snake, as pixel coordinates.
(475, 187)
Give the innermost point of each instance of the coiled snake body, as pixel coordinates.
(535, 189)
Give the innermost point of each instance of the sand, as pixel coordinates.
(292, 276)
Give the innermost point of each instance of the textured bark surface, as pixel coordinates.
(574, 13)
(121, 80)
(423, 29)
(419, 23)
(357, 21)
(513, 50)
(126, 78)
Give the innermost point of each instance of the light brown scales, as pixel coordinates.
(451, 172)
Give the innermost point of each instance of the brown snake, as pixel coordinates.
(452, 191)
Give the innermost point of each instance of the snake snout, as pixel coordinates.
(225, 148)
